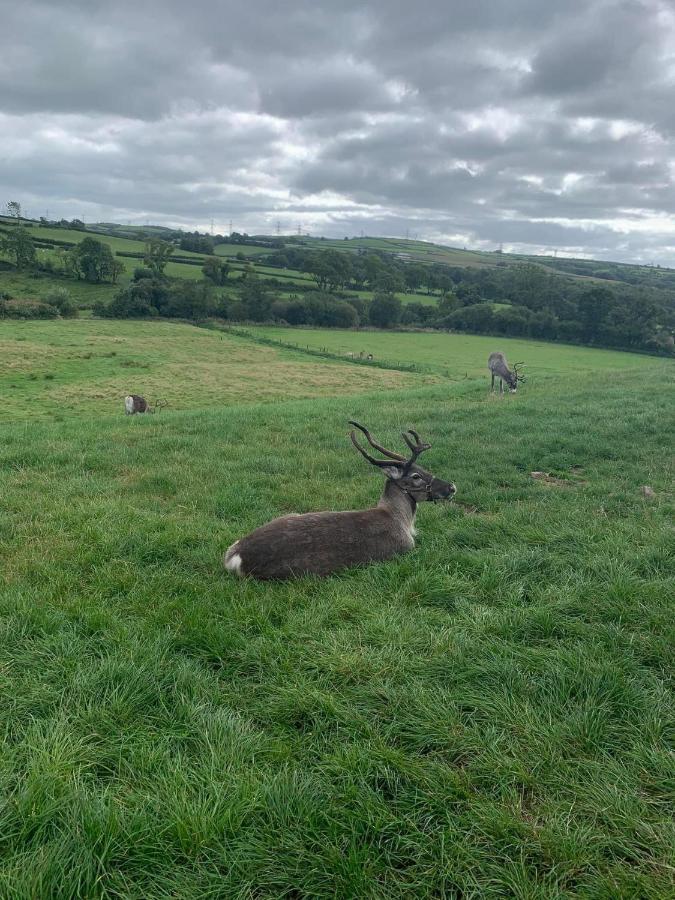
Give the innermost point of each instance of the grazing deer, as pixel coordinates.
(499, 368)
(323, 542)
(136, 404)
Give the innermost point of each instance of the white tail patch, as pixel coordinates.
(129, 405)
(233, 559)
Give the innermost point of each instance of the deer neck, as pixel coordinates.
(399, 503)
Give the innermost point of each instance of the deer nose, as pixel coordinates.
(450, 489)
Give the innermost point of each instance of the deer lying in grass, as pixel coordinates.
(135, 404)
(323, 542)
(499, 368)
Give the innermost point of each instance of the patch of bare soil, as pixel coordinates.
(554, 481)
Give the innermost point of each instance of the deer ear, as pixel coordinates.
(393, 472)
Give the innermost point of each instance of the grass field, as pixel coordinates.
(461, 356)
(485, 717)
(86, 367)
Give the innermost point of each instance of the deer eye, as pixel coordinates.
(416, 477)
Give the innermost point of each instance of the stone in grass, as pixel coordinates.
(647, 491)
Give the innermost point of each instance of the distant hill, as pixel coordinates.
(555, 298)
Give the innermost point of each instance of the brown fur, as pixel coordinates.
(323, 542)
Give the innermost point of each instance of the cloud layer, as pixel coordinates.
(537, 125)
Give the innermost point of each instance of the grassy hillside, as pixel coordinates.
(86, 367)
(486, 716)
(591, 270)
(129, 239)
(25, 284)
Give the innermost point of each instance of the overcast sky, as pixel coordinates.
(537, 124)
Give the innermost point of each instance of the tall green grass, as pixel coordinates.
(486, 716)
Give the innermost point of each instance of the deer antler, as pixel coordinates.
(418, 447)
(518, 375)
(389, 453)
(371, 459)
(395, 459)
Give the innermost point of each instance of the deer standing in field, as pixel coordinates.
(323, 542)
(136, 404)
(499, 368)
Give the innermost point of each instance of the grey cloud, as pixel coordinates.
(468, 120)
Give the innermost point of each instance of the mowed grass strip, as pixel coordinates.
(486, 716)
(87, 366)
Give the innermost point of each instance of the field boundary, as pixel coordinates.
(413, 368)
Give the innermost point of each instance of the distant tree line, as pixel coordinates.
(519, 300)
(522, 300)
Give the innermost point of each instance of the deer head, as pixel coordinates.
(403, 471)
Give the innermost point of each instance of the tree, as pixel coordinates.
(196, 242)
(157, 253)
(326, 311)
(330, 269)
(417, 314)
(116, 269)
(188, 300)
(216, 270)
(593, 308)
(14, 210)
(438, 279)
(385, 310)
(92, 261)
(477, 318)
(372, 265)
(512, 320)
(256, 299)
(415, 276)
(19, 246)
(468, 294)
(447, 303)
(389, 281)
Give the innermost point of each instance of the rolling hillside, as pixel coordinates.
(130, 240)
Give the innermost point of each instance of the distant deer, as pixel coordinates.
(324, 542)
(136, 404)
(499, 368)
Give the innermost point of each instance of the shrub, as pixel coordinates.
(62, 300)
(385, 310)
(27, 309)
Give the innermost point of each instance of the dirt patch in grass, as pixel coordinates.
(554, 481)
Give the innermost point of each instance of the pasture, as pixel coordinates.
(87, 366)
(460, 356)
(487, 716)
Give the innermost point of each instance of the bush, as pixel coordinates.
(27, 309)
(151, 297)
(61, 299)
(477, 318)
(385, 310)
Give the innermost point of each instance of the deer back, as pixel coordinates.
(319, 543)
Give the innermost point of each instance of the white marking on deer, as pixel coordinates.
(129, 405)
(233, 560)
